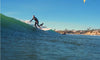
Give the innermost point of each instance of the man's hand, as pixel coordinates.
(30, 20)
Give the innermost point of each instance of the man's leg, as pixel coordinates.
(38, 25)
(41, 24)
(35, 24)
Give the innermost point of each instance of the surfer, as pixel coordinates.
(36, 21)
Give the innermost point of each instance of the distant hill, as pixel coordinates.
(82, 32)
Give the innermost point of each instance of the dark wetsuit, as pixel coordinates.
(36, 21)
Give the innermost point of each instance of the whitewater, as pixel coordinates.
(20, 41)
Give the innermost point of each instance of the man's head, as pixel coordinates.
(33, 16)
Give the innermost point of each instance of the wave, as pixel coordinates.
(14, 27)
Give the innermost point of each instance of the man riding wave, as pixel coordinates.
(36, 22)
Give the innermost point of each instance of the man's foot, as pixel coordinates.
(41, 24)
(40, 28)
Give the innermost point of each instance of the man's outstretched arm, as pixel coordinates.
(31, 20)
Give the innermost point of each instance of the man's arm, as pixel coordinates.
(31, 20)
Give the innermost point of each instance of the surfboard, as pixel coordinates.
(45, 29)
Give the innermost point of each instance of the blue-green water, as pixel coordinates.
(20, 41)
(49, 45)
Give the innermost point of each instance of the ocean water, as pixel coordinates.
(49, 45)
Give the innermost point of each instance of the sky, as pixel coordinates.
(56, 14)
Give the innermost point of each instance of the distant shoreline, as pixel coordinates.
(80, 32)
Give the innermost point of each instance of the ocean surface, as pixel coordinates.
(49, 45)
